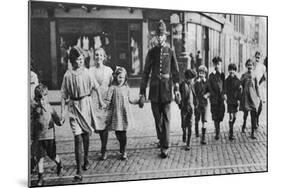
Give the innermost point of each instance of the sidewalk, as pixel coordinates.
(217, 157)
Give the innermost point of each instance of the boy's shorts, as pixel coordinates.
(218, 111)
(47, 147)
(232, 108)
(200, 112)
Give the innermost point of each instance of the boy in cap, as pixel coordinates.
(215, 88)
(233, 94)
(187, 104)
(200, 87)
(161, 62)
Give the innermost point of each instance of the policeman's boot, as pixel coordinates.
(196, 129)
(203, 142)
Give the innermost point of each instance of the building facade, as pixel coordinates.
(127, 34)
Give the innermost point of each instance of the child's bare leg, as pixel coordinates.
(41, 171)
(78, 156)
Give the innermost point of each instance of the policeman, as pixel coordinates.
(161, 62)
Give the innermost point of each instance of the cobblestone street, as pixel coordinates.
(217, 157)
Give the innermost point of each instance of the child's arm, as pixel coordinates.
(257, 87)
(56, 118)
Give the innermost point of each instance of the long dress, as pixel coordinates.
(120, 116)
(77, 86)
(250, 94)
(103, 76)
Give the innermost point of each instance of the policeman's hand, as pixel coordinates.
(141, 101)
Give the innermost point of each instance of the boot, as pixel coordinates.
(188, 140)
(196, 129)
(253, 134)
(203, 142)
(230, 136)
(217, 129)
(184, 135)
(243, 127)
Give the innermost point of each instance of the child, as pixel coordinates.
(215, 88)
(120, 116)
(250, 96)
(200, 110)
(44, 117)
(232, 92)
(188, 101)
(77, 86)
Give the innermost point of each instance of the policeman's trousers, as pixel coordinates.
(162, 117)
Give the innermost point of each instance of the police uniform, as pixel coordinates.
(162, 64)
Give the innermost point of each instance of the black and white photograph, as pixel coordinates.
(122, 93)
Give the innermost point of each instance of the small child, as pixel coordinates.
(200, 110)
(232, 92)
(250, 96)
(120, 115)
(188, 101)
(44, 118)
(215, 88)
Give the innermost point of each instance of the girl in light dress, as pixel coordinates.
(103, 75)
(77, 87)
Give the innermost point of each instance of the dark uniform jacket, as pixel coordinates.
(232, 90)
(162, 64)
(216, 87)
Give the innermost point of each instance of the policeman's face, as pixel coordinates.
(121, 78)
(161, 38)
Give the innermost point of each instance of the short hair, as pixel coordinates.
(216, 60)
(202, 68)
(189, 74)
(118, 71)
(39, 91)
(248, 62)
(232, 66)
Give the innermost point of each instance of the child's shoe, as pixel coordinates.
(187, 148)
(103, 156)
(86, 166)
(40, 180)
(124, 156)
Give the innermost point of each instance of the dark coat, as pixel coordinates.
(186, 90)
(215, 87)
(161, 62)
(200, 90)
(232, 89)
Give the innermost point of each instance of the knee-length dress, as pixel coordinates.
(250, 95)
(120, 116)
(103, 76)
(77, 86)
